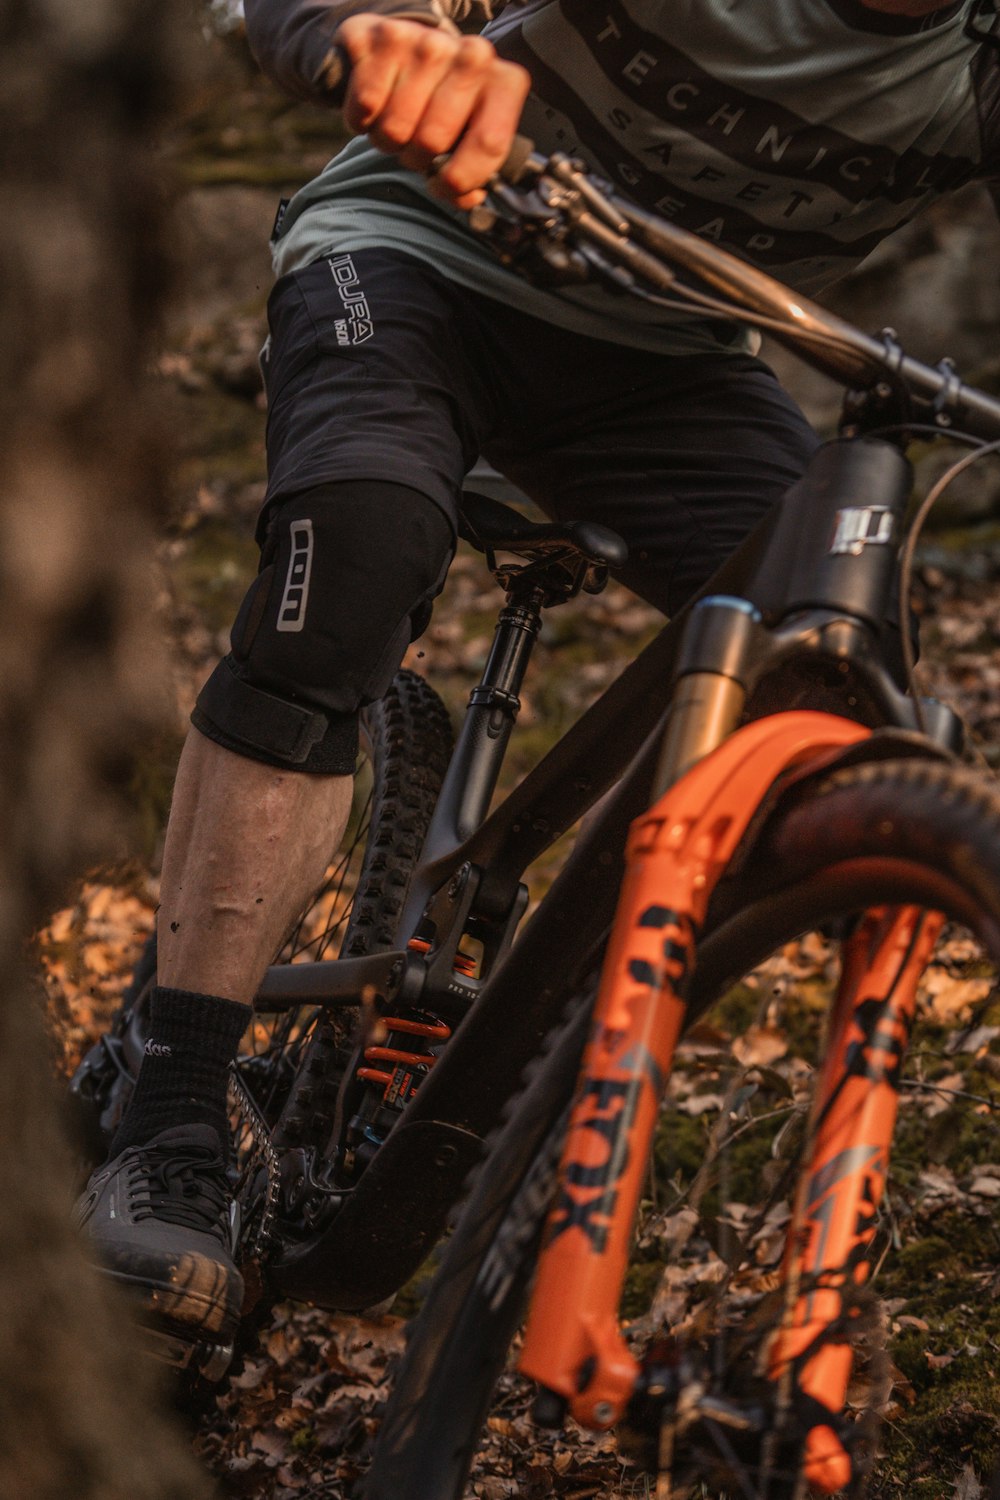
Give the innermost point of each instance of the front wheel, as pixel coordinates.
(905, 832)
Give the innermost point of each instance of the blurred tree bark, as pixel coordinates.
(83, 275)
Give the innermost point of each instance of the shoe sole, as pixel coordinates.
(200, 1300)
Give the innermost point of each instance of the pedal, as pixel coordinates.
(209, 1361)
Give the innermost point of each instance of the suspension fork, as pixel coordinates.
(854, 1115)
(676, 854)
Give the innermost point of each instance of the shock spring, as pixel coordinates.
(431, 1031)
(395, 1069)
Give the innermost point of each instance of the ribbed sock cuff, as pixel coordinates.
(184, 1017)
(184, 1077)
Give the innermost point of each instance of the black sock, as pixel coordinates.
(185, 1070)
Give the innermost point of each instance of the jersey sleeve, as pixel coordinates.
(986, 78)
(292, 40)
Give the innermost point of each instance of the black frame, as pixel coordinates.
(813, 603)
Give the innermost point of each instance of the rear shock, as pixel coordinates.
(394, 1064)
(400, 1083)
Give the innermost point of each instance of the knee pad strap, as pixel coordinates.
(275, 730)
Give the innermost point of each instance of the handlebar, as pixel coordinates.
(555, 202)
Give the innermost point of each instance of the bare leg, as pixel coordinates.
(246, 846)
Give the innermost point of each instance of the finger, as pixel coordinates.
(426, 66)
(377, 51)
(484, 146)
(452, 104)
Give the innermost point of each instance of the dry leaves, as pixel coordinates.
(87, 953)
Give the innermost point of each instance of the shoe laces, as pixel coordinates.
(184, 1185)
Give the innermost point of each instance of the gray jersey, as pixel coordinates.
(797, 133)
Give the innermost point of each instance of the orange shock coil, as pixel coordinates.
(435, 1031)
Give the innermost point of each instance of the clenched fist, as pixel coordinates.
(419, 92)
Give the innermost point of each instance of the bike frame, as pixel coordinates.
(786, 597)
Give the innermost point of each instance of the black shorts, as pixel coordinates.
(378, 368)
(385, 382)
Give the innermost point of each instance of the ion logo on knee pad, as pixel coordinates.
(292, 611)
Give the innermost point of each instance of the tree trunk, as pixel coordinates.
(82, 280)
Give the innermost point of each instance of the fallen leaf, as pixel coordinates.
(273, 1445)
(760, 1045)
(974, 1040)
(967, 1485)
(948, 999)
(700, 1104)
(940, 1361)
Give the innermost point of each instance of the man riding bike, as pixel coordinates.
(796, 132)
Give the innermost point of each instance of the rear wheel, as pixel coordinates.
(906, 832)
(405, 746)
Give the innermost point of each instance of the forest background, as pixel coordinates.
(302, 1411)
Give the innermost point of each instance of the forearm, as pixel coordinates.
(293, 40)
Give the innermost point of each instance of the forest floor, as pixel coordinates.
(301, 1414)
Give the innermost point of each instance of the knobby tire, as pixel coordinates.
(406, 741)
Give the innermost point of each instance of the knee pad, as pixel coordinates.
(348, 575)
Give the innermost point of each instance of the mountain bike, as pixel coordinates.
(757, 772)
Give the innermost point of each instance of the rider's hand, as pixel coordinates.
(419, 92)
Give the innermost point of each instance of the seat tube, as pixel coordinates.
(492, 710)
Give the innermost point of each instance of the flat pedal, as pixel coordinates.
(208, 1361)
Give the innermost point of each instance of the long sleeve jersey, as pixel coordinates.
(796, 133)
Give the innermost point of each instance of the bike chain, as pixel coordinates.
(261, 1137)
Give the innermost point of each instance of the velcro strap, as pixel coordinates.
(258, 719)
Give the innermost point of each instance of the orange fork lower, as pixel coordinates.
(573, 1344)
(854, 1115)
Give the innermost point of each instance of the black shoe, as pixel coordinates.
(159, 1218)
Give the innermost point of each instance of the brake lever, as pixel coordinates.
(574, 175)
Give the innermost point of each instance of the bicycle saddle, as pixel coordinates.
(491, 526)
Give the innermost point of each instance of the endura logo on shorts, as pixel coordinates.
(292, 612)
(157, 1049)
(357, 325)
